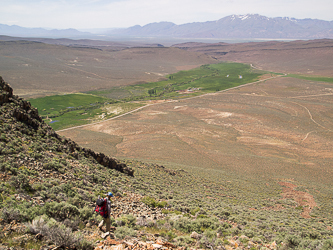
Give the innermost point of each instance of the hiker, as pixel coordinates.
(106, 219)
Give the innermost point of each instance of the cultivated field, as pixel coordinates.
(69, 110)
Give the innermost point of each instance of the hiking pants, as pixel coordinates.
(108, 223)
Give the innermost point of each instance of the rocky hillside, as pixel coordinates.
(43, 174)
(49, 185)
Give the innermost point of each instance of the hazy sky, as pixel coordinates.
(86, 14)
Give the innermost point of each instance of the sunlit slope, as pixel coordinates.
(271, 131)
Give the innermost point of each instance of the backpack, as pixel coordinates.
(102, 207)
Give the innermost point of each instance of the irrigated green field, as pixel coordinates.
(63, 111)
(205, 79)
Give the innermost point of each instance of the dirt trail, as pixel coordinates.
(302, 198)
(157, 103)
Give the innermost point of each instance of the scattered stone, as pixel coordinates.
(195, 235)
(104, 235)
(168, 245)
(157, 246)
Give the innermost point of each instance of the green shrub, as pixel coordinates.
(53, 165)
(86, 245)
(162, 204)
(61, 210)
(328, 244)
(85, 213)
(126, 220)
(293, 240)
(63, 237)
(184, 240)
(68, 189)
(210, 233)
(38, 187)
(314, 234)
(184, 224)
(234, 231)
(21, 181)
(149, 201)
(202, 216)
(249, 233)
(201, 224)
(170, 235)
(9, 214)
(194, 211)
(122, 232)
(165, 211)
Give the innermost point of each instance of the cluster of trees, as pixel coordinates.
(152, 92)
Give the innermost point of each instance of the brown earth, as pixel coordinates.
(269, 127)
(37, 69)
(302, 198)
(313, 57)
(277, 129)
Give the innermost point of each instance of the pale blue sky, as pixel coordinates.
(87, 14)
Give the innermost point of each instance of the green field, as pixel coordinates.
(62, 111)
(205, 79)
(313, 78)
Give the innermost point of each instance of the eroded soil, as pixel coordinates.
(303, 199)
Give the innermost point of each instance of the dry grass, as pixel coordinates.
(37, 69)
(269, 132)
(313, 57)
(285, 120)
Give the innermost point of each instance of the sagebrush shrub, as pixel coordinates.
(328, 244)
(126, 220)
(122, 232)
(61, 210)
(9, 214)
(56, 232)
(38, 225)
(183, 240)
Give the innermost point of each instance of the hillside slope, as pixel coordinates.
(49, 185)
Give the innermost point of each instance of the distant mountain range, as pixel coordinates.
(14, 30)
(234, 26)
(237, 26)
